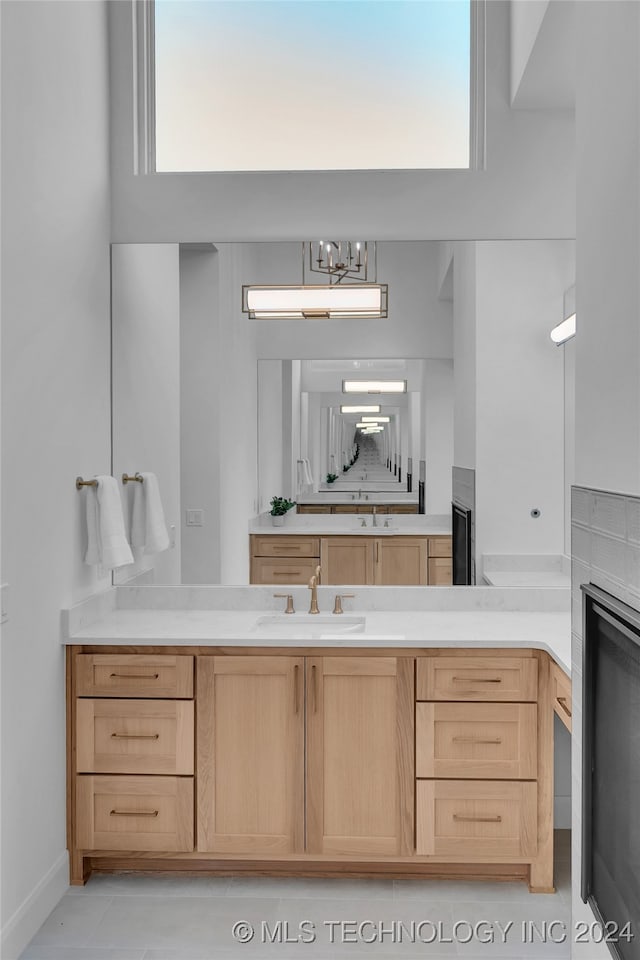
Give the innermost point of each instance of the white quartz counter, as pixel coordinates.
(409, 628)
(527, 578)
(349, 525)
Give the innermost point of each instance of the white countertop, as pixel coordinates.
(335, 527)
(140, 627)
(527, 578)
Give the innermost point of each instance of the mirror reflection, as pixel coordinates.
(231, 413)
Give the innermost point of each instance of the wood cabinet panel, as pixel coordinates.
(134, 813)
(346, 560)
(278, 545)
(477, 678)
(133, 675)
(313, 508)
(440, 572)
(476, 740)
(360, 767)
(282, 570)
(561, 694)
(476, 820)
(439, 546)
(250, 755)
(134, 736)
(400, 561)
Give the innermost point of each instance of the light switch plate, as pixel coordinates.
(195, 518)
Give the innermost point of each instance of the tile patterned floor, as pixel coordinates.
(157, 918)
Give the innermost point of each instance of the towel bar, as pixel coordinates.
(136, 478)
(80, 483)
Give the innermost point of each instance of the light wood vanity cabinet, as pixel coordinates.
(430, 762)
(354, 560)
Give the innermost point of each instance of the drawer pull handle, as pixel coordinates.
(477, 679)
(476, 740)
(135, 736)
(286, 573)
(134, 813)
(135, 676)
(286, 546)
(462, 819)
(563, 703)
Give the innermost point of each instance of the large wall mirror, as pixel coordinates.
(230, 412)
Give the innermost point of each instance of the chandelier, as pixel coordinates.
(349, 292)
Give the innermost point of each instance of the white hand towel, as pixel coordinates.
(307, 470)
(148, 526)
(106, 541)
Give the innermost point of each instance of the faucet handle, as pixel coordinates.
(289, 599)
(337, 606)
(363, 521)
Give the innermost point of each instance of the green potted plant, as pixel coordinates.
(332, 477)
(279, 508)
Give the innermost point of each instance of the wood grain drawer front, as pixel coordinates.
(439, 546)
(282, 570)
(313, 508)
(477, 821)
(477, 678)
(280, 546)
(403, 508)
(483, 740)
(561, 692)
(440, 572)
(134, 736)
(133, 675)
(134, 813)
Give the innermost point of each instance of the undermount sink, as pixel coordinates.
(305, 625)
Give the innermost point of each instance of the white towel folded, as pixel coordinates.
(106, 541)
(308, 475)
(148, 526)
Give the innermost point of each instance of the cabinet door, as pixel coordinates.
(440, 572)
(360, 756)
(282, 570)
(250, 754)
(346, 560)
(401, 560)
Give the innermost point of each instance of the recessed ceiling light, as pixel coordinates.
(374, 386)
(376, 419)
(359, 408)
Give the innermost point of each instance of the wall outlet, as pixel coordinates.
(195, 518)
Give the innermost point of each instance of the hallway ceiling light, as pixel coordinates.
(359, 408)
(373, 430)
(376, 419)
(564, 331)
(325, 302)
(351, 290)
(374, 386)
(368, 422)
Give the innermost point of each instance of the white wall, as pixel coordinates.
(464, 355)
(525, 190)
(520, 396)
(437, 411)
(55, 403)
(146, 386)
(199, 419)
(607, 346)
(270, 442)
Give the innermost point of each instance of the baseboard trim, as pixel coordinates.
(34, 910)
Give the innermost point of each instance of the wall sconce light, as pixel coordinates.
(564, 331)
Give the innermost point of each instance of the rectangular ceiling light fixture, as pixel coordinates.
(376, 419)
(369, 422)
(359, 408)
(374, 386)
(353, 301)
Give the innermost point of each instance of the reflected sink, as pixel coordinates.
(308, 626)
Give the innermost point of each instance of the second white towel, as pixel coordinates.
(148, 526)
(106, 541)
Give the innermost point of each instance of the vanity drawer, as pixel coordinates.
(482, 740)
(282, 570)
(439, 546)
(440, 572)
(133, 675)
(134, 813)
(561, 692)
(477, 678)
(474, 820)
(134, 736)
(281, 546)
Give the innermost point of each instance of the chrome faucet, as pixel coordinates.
(313, 586)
